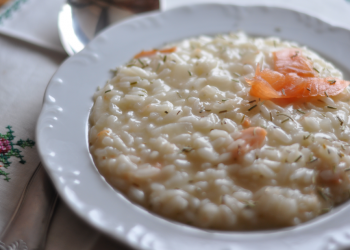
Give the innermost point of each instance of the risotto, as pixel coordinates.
(212, 132)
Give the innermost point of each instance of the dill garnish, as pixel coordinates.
(133, 83)
(179, 94)
(187, 149)
(252, 107)
(295, 55)
(222, 111)
(108, 91)
(224, 100)
(313, 160)
(284, 93)
(326, 93)
(285, 120)
(158, 67)
(340, 120)
(322, 193)
(189, 72)
(306, 136)
(316, 70)
(164, 59)
(286, 116)
(308, 89)
(234, 80)
(238, 75)
(300, 111)
(141, 95)
(270, 116)
(331, 82)
(178, 112)
(243, 118)
(143, 65)
(297, 159)
(166, 112)
(252, 101)
(331, 107)
(250, 204)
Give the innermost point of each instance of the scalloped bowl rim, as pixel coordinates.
(62, 126)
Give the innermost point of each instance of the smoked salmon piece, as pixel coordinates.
(293, 77)
(154, 51)
(262, 87)
(292, 61)
(253, 138)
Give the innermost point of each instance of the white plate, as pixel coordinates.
(62, 127)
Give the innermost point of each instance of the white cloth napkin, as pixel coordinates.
(34, 21)
(25, 69)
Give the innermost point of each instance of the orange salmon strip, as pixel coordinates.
(292, 61)
(254, 137)
(154, 51)
(293, 77)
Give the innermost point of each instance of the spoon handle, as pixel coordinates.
(31, 218)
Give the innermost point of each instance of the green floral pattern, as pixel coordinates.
(7, 150)
(10, 9)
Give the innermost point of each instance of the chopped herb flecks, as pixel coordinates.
(297, 159)
(331, 107)
(316, 70)
(243, 118)
(331, 82)
(187, 149)
(306, 136)
(295, 55)
(252, 107)
(108, 91)
(300, 111)
(143, 65)
(340, 120)
(313, 160)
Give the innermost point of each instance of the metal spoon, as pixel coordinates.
(80, 21)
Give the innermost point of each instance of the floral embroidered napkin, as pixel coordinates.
(24, 73)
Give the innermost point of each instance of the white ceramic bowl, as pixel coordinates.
(63, 126)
